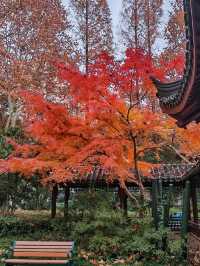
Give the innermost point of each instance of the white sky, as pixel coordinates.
(115, 6)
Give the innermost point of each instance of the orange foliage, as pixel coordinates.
(188, 140)
(103, 125)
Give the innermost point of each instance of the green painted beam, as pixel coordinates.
(167, 207)
(155, 204)
(186, 209)
(194, 203)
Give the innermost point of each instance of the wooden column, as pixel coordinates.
(66, 200)
(120, 197)
(167, 206)
(123, 200)
(155, 204)
(186, 209)
(125, 204)
(194, 203)
(53, 200)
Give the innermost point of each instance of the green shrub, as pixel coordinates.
(107, 234)
(81, 262)
(101, 232)
(14, 226)
(5, 149)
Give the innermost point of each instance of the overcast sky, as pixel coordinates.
(115, 6)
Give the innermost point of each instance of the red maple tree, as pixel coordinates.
(103, 125)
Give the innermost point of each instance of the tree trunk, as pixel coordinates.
(86, 38)
(10, 113)
(136, 24)
(141, 187)
(53, 201)
(13, 113)
(136, 47)
(148, 29)
(66, 200)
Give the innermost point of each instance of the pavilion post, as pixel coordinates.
(125, 204)
(53, 200)
(194, 203)
(155, 204)
(123, 200)
(120, 194)
(66, 200)
(167, 206)
(186, 209)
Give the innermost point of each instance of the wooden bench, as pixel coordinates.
(40, 253)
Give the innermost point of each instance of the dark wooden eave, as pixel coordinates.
(181, 99)
(166, 173)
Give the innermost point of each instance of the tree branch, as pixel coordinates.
(129, 194)
(178, 153)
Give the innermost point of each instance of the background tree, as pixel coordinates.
(139, 29)
(32, 34)
(131, 23)
(152, 10)
(188, 142)
(93, 29)
(140, 23)
(175, 38)
(175, 30)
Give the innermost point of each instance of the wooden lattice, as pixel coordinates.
(171, 172)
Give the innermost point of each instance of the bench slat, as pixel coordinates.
(41, 254)
(36, 262)
(48, 247)
(44, 243)
(41, 250)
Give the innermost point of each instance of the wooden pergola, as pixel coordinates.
(170, 176)
(97, 179)
(165, 175)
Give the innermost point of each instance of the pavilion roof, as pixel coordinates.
(168, 173)
(172, 172)
(181, 99)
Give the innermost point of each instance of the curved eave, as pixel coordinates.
(181, 99)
